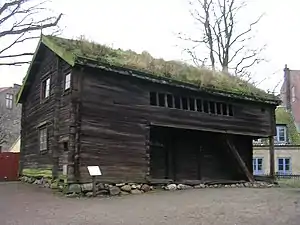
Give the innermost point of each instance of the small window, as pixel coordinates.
(225, 110)
(66, 146)
(9, 101)
(230, 110)
(212, 106)
(293, 94)
(153, 98)
(192, 104)
(284, 166)
(184, 103)
(257, 166)
(161, 99)
(68, 81)
(281, 134)
(205, 106)
(170, 101)
(199, 105)
(219, 108)
(43, 139)
(46, 88)
(177, 102)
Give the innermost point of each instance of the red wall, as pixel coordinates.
(9, 166)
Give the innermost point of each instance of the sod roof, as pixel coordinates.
(89, 53)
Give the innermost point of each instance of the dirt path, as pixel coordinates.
(26, 205)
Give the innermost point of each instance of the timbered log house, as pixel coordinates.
(138, 123)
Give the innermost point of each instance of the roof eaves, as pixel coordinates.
(164, 80)
(61, 52)
(20, 92)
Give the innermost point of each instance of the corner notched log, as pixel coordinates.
(240, 161)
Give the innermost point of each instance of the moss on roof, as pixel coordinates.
(285, 117)
(73, 50)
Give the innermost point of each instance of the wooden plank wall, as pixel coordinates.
(116, 112)
(35, 112)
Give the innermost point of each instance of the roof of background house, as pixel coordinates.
(3, 88)
(295, 81)
(145, 66)
(285, 117)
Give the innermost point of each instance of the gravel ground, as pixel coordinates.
(25, 204)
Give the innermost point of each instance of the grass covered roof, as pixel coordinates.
(286, 118)
(78, 51)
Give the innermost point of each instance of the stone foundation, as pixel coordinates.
(76, 190)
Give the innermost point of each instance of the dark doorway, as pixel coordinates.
(181, 154)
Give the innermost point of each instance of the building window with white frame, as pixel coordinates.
(46, 88)
(281, 134)
(257, 164)
(284, 166)
(43, 139)
(9, 101)
(293, 94)
(68, 81)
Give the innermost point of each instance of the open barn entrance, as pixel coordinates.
(189, 155)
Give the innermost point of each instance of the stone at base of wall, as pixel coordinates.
(86, 189)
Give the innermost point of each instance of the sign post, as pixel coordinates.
(94, 171)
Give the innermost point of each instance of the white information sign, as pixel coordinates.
(94, 170)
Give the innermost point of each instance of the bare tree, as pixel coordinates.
(227, 46)
(2, 133)
(21, 21)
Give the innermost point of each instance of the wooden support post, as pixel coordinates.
(240, 161)
(272, 157)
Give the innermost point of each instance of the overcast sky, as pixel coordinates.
(151, 25)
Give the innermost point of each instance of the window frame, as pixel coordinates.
(9, 100)
(46, 92)
(255, 165)
(277, 136)
(67, 81)
(43, 139)
(293, 93)
(284, 171)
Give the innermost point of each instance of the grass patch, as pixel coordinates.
(289, 183)
(208, 80)
(47, 173)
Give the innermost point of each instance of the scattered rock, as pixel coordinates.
(74, 188)
(133, 186)
(124, 193)
(102, 192)
(200, 186)
(100, 186)
(120, 184)
(255, 185)
(136, 191)
(215, 186)
(171, 187)
(54, 185)
(138, 186)
(145, 188)
(89, 194)
(72, 195)
(126, 188)
(114, 190)
(227, 186)
(183, 187)
(233, 185)
(87, 187)
(46, 185)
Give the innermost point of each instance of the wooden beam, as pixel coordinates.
(240, 161)
(272, 157)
